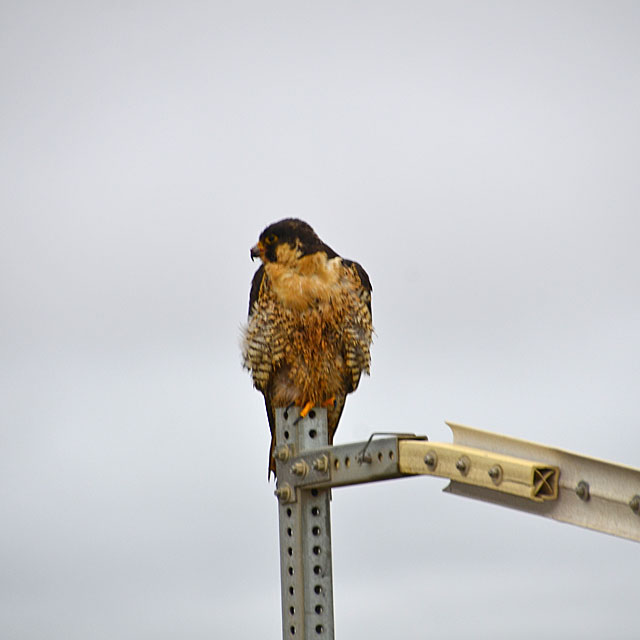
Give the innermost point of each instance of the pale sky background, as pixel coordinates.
(480, 159)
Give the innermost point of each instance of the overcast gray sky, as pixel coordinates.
(480, 159)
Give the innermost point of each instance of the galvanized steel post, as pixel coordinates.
(305, 531)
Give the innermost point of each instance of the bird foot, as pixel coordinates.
(304, 412)
(329, 402)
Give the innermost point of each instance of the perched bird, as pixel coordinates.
(309, 331)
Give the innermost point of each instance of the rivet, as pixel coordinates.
(634, 503)
(582, 490)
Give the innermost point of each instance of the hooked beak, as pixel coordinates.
(257, 251)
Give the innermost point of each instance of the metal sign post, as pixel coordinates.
(305, 530)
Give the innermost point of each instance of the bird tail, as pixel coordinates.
(272, 461)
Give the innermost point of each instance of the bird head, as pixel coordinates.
(287, 240)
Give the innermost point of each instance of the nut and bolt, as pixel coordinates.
(431, 460)
(321, 464)
(463, 465)
(495, 473)
(284, 493)
(282, 453)
(582, 490)
(300, 468)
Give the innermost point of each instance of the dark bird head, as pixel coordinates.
(287, 239)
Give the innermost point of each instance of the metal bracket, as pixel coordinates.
(533, 480)
(592, 493)
(346, 464)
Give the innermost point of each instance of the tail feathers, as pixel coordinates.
(271, 416)
(272, 462)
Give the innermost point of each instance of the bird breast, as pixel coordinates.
(308, 281)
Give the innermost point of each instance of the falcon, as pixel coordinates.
(309, 331)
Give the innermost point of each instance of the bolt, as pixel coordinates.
(582, 490)
(463, 465)
(282, 453)
(283, 493)
(495, 473)
(300, 468)
(634, 503)
(431, 460)
(321, 464)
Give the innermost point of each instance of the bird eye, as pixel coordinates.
(270, 239)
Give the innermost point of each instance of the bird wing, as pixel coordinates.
(254, 295)
(363, 277)
(256, 286)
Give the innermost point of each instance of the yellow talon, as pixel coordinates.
(329, 402)
(305, 410)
